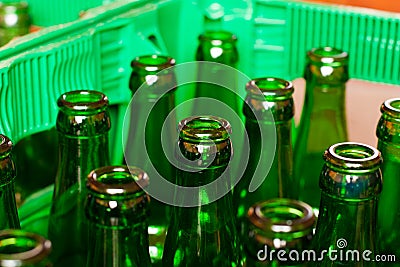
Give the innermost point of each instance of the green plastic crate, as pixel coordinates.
(95, 51)
(54, 12)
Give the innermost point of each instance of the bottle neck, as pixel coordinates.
(207, 232)
(118, 247)
(281, 173)
(7, 170)
(325, 97)
(273, 109)
(118, 234)
(153, 85)
(154, 75)
(390, 154)
(207, 217)
(79, 156)
(8, 207)
(152, 131)
(325, 92)
(202, 155)
(353, 221)
(116, 210)
(388, 130)
(218, 46)
(324, 108)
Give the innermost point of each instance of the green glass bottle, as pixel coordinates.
(83, 123)
(350, 181)
(8, 208)
(219, 47)
(268, 102)
(323, 119)
(151, 72)
(117, 210)
(202, 231)
(388, 133)
(14, 20)
(21, 248)
(279, 224)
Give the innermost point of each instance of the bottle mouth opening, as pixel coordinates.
(328, 56)
(270, 87)
(5, 145)
(83, 101)
(204, 129)
(352, 155)
(117, 180)
(218, 37)
(391, 107)
(17, 245)
(281, 215)
(153, 63)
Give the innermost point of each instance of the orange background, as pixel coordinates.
(387, 5)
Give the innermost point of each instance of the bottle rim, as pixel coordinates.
(328, 56)
(270, 88)
(204, 129)
(41, 249)
(217, 38)
(117, 188)
(153, 63)
(391, 107)
(83, 101)
(258, 215)
(6, 145)
(353, 156)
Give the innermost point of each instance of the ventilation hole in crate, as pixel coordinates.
(152, 38)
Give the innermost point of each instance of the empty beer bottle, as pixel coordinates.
(350, 182)
(202, 231)
(149, 112)
(323, 119)
(219, 47)
(278, 226)
(268, 102)
(83, 123)
(8, 208)
(21, 248)
(388, 132)
(117, 210)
